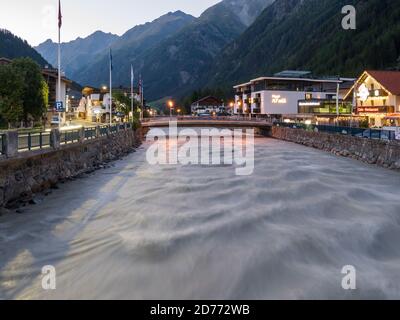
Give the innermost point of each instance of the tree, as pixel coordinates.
(11, 88)
(123, 104)
(35, 90)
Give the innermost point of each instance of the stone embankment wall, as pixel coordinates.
(29, 173)
(382, 153)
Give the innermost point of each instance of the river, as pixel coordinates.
(139, 231)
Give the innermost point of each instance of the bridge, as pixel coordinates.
(216, 122)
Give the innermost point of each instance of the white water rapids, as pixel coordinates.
(136, 231)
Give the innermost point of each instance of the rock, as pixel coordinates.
(4, 211)
(35, 201)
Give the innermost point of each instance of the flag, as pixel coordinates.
(132, 75)
(111, 60)
(59, 15)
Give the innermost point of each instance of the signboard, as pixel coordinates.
(59, 106)
(363, 92)
(397, 133)
(277, 99)
(377, 109)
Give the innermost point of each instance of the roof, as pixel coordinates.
(54, 74)
(293, 74)
(390, 80)
(298, 79)
(5, 60)
(209, 100)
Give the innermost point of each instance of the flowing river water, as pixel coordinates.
(139, 231)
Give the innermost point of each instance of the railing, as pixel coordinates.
(113, 128)
(90, 133)
(206, 118)
(33, 141)
(103, 131)
(12, 143)
(69, 136)
(356, 132)
(2, 144)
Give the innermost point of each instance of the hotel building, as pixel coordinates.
(377, 97)
(294, 94)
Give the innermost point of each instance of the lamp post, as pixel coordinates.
(171, 106)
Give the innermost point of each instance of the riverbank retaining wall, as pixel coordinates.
(28, 173)
(382, 153)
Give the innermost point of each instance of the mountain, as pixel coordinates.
(183, 58)
(173, 51)
(12, 47)
(77, 53)
(129, 46)
(308, 35)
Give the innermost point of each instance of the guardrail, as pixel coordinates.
(377, 134)
(90, 133)
(69, 136)
(33, 141)
(113, 128)
(103, 131)
(14, 142)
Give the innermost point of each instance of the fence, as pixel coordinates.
(14, 142)
(103, 131)
(113, 128)
(33, 141)
(90, 133)
(69, 136)
(356, 132)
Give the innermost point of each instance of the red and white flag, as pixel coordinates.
(59, 15)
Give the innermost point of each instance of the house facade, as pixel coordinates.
(207, 106)
(294, 95)
(376, 95)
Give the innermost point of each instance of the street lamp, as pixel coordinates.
(171, 106)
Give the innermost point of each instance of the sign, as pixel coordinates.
(59, 106)
(377, 109)
(277, 99)
(397, 133)
(363, 92)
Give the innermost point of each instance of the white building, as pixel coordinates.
(293, 94)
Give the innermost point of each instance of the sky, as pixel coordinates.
(36, 20)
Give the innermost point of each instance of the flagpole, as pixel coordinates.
(110, 88)
(59, 60)
(141, 99)
(132, 76)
